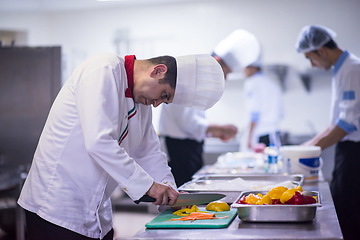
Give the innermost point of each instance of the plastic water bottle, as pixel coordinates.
(272, 153)
(266, 162)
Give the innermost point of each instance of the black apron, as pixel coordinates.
(345, 187)
(185, 158)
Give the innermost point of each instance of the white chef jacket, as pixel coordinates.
(263, 103)
(183, 122)
(95, 138)
(345, 100)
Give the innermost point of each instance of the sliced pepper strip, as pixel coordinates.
(197, 216)
(187, 211)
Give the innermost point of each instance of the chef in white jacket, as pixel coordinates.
(318, 46)
(99, 135)
(241, 52)
(184, 130)
(263, 101)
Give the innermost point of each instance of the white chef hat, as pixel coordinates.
(239, 50)
(200, 81)
(312, 37)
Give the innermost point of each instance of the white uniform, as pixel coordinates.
(263, 103)
(183, 122)
(94, 139)
(345, 113)
(345, 101)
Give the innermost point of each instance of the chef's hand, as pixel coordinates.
(224, 132)
(164, 195)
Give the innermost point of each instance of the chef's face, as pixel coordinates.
(224, 67)
(153, 92)
(318, 59)
(250, 70)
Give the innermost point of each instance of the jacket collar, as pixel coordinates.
(129, 67)
(340, 61)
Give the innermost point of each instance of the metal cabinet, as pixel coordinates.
(30, 78)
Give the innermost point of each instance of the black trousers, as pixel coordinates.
(185, 158)
(345, 188)
(40, 229)
(266, 139)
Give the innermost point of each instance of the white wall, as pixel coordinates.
(184, 28)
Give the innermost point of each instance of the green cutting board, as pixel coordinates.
(161, 221)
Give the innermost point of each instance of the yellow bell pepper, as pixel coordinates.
(252, 198)
(299, 188)
(276, 192)
(218, 206)
(264, 200)
(187, 211)
(286, 196)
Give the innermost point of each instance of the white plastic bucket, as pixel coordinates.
(302, 160)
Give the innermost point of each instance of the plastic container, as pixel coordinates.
(302, 160)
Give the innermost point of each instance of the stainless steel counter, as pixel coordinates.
(324, 226)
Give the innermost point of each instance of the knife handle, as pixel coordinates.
(145, 198)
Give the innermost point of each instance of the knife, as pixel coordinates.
(187, 199)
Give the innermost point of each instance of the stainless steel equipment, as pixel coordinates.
(208, 183)
(30, 78)
(276, 213)
(325, 226)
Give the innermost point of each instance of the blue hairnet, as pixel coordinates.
(312, 37)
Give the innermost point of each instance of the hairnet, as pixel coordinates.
(312, 37)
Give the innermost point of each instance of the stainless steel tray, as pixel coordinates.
(276, 213)
(205, 183)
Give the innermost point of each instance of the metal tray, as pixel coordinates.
(206, 182)
(276, 213)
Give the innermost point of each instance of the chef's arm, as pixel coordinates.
(334, 135)
(252, 126)
(149, 156)
(224, 132)
(317, 137)
(255, 116)
(327, 138)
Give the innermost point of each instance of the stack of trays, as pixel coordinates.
(232, 185)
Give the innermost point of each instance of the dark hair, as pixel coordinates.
(331, 44)
(170, 75)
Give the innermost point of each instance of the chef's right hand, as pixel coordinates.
(164, 195)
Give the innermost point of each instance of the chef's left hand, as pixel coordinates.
(224, 132)
(164, 195)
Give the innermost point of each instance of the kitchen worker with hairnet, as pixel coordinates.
(241, 52)
(317, 44)
(99, 135)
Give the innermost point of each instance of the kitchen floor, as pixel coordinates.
(126, 224)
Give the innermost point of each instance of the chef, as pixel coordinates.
(241, 52)
(99, 135)
(184, 130)
(318, 45)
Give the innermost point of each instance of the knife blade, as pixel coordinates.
(187, 199)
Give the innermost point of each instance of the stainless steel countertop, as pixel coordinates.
(324, 226)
